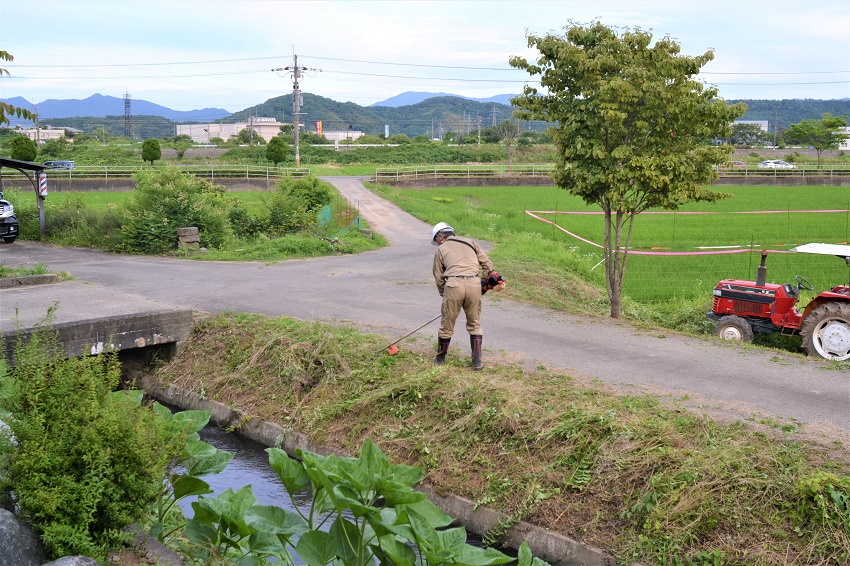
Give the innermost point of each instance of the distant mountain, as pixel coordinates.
(408, 98)
(432, 116)
(99, 106)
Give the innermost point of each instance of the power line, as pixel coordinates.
(388, 63)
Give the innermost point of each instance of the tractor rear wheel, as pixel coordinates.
(734, 328)
(826, 332)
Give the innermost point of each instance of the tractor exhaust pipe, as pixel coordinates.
(761, 271)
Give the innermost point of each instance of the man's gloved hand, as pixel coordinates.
(492, 281)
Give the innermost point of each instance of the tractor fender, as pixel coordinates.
(822, 299)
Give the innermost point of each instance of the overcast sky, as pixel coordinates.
(188, 54)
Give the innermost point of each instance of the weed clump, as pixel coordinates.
(86, 460)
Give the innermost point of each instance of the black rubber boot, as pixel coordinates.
(475, 341)
(442, 348)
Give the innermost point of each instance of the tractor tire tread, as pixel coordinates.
(837, 310)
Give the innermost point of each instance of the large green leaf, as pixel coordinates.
(525, 558)
(211, 465)
(290, 471)
(235, 506)
(474, 556)
(372, 459)
(266, 544)
(347, 498)
(428, 511)
(191, 421)
(408, 475)
(425, 532)
(201, 533)
(199, 449)
(316, 548)
(396, 493)
(275, 520)
(355, 474)
(185, 486)
(452, 538)
(346, 539)
(400, 553)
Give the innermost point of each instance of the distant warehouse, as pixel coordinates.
(265, 127)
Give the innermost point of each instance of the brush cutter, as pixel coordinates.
(392, 349)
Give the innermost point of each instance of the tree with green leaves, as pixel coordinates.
(151, 151)
(748, 135)
(23, 148)
(276, 150)
(5, 108)
(823, 134)
(631, 121)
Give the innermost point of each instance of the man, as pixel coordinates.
(457, 266)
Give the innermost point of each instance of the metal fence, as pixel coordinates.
(204, 171)
(798, 171)
(408, 173)
(415, 172)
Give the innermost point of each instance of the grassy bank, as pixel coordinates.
(640, 477)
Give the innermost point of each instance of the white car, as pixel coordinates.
(776, 164)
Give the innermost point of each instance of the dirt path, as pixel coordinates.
(391, 292)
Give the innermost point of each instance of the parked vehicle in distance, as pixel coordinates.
(59, 164)
(776, 164)
(8, 221)
(737, 164)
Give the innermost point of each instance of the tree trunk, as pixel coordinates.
(616, 255)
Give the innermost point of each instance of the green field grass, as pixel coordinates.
(103, 200)
(497, 214)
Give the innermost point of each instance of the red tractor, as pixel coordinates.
(742, 308)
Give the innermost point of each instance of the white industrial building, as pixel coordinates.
(42, 135)
(763, 124)
(266, 128)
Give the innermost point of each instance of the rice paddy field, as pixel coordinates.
(676, 255)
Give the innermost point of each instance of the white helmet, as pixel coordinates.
(439, 227)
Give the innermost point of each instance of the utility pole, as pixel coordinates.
(479, 129)
(296, 71)
(775, 125)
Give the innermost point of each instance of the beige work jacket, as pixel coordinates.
(459, 257)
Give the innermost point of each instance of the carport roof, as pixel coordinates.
(18, 164)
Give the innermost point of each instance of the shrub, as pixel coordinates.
(167, 199)
(151, 150)
(88, 461)
(314, 192)
(23, 148)
(287, 214)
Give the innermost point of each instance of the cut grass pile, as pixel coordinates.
(642, 478)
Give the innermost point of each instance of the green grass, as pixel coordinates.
(21, 271)
(496, 214)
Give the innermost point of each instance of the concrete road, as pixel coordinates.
(391, 292)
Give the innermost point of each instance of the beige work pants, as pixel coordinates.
(461, 293)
